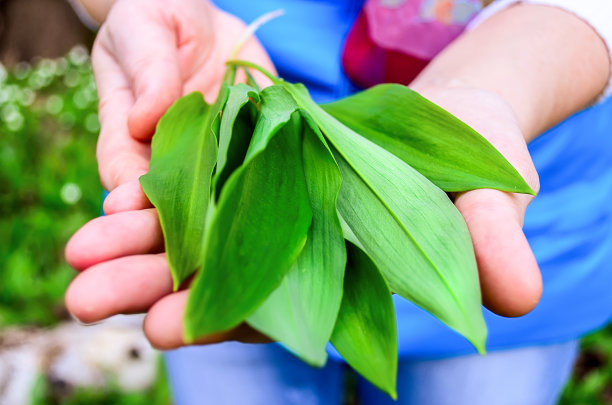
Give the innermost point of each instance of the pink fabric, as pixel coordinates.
(393, 40)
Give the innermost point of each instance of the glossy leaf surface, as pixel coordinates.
(301, 313)
(256, 233)
(365, 333)
(434, 142)
(277, 106)
(235, 129)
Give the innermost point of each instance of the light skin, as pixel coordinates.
(519, 73)
(98, 9)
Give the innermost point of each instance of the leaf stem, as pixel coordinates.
(251, 80)
(252, 27)
(230, 75)
(251, 65)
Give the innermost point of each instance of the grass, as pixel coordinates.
(48, 184)
(49, 187)
(591, 383)
(45, 394)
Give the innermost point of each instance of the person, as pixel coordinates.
(513, 75)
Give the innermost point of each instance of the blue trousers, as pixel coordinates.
(239, 374)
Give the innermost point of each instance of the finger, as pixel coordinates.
(199, 78)
(113, 236)
(149, 59)
(122, 286)
(164, 326)
(120, 157)
(129, 196)
(509, 275)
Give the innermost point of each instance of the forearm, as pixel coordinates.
(544, 62)
(97, 9)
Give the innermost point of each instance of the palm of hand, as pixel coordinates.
(179, 47)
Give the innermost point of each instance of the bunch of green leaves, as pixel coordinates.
(300, 219)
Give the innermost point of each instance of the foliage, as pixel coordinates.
(591, 383)
(48, 183)
(44, 393)
(49, 187)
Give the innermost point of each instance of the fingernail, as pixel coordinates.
(77, 320)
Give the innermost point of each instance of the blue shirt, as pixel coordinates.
(568, 225)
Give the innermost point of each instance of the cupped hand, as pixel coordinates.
(147, 54)
(124, 270)
(127, 270)
(510, 278)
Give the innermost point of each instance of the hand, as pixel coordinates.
(127, 271)
(509, 275)
(147, 54)
(491, 78)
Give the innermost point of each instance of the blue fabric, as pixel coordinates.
(237, 374)
(305, 43)
(525, 376)
(569, 224)
(233, 373)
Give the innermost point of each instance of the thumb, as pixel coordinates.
(149, 58)
(509, 275)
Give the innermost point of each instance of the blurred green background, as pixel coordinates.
(49, 187)
(48, 181)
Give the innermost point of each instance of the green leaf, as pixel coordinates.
(256, 233)
(301, 313)
(407, 225)
(437, 144)
(184, 152)
(365, 332)
(235, 129)
(277, 107)
(417, 239)
(238, 141)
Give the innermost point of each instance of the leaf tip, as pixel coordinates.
(482, 350)
(389, 387)
(531, 191)
(315, 360)
(479, 342)
(393, 394)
